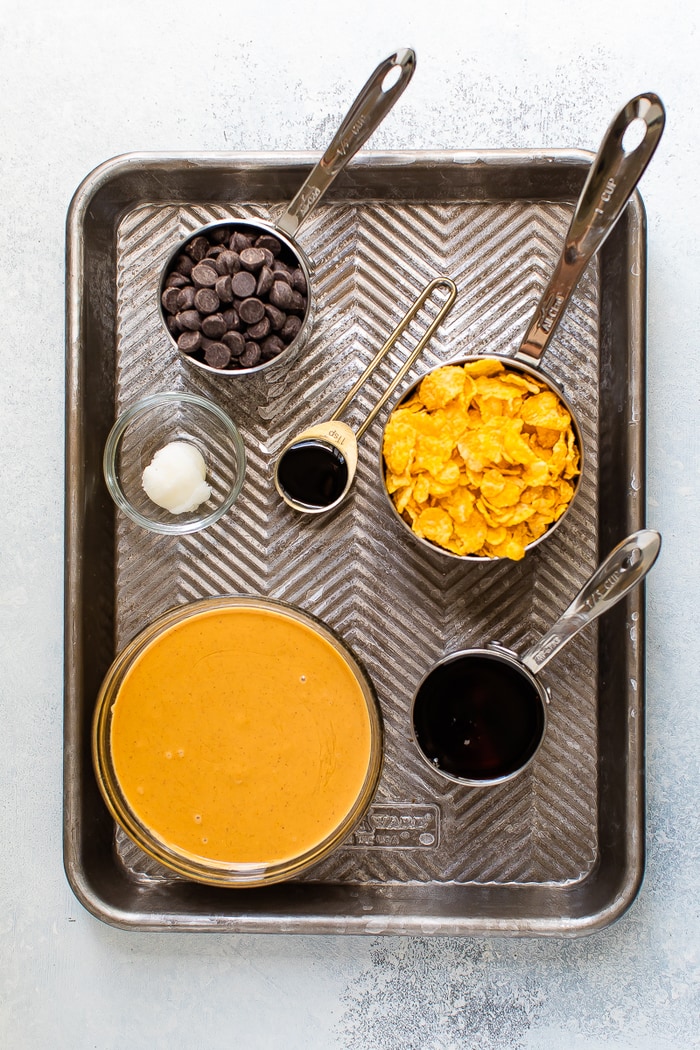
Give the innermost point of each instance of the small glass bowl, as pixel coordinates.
(147, 426)
(125, 807)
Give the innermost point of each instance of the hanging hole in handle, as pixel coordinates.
(391, 79)
(634, 135)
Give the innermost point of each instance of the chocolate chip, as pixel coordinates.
(292, 327)
(189, 320)
(239, 241)
(259, 330)
(265, 240)
(235, 342)
(250, 356)
(253, 259)
(185, 300)
(204, 276)
(271, 347)
(197, 248)
(299, 281)
(224, 290)
(217, 355)
(266, 280)
(251, 311)
(214, 326)
(281, 295)
(176, 280)
(170, 298)
(233, 321)
(228, 262)
(206, 301)
(243, 284)
(298, 304)
(218, 234)
(283, 275)
(215, 251)
(277, 317)
(189, 342)
(173, 324)
(184, 264)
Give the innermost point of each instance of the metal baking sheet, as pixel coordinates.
(558, 851)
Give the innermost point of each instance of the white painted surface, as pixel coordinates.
(82, 81)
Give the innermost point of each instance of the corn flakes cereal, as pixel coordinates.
(481, 460)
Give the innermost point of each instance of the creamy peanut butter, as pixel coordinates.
(241, 735)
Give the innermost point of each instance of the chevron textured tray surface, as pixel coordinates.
(397, 607)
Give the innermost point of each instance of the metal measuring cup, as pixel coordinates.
(386, 84)
(611, 180)
(315, 469)
(479, 716)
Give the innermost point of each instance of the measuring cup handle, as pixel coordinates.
(366, 114)
(623, 569)
(611, 180)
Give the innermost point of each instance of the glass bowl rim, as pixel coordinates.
(118, 430)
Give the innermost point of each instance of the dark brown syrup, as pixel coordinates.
(478, 718)
(312, 473)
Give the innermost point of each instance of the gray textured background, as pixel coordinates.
(80, 83)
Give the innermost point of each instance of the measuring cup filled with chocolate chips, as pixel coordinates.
(516, 451)
(236, 295)
(479, 715)
(316, 468)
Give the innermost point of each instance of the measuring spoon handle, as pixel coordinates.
(365, 115)
(612, 178)
(622, 570)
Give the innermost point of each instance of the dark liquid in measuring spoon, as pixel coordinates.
(478, 718)
(312, 473)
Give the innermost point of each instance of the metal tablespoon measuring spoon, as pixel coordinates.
(316, 468)
(479, 716)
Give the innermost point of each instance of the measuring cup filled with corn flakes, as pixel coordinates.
(483, 456)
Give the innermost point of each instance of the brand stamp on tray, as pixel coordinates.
(402, 826)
